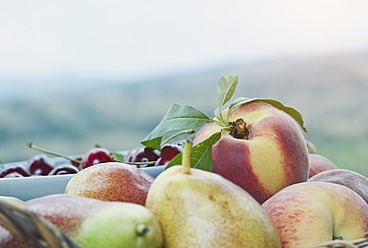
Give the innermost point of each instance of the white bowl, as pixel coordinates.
(26, 188)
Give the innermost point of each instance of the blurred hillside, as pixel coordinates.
(330, 92)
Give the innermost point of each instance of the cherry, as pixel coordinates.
(14, 170)
(64, 169)
(40, 165)
(95, 156)
(168, 152)
(75, 163)
(141, 155)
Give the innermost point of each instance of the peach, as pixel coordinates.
(319, 163)
(310, 213)
(348, 178)
(270, 157)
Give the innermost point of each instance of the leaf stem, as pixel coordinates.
(186, 157)
(32, 146)
(188, 131)
(227, 115)
(221, 117)
(228, 128)
(221, 123)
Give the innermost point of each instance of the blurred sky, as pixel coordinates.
(139, 38)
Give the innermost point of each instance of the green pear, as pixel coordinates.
(197, 208)
(94, 223)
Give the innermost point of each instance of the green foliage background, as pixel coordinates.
(329, 92)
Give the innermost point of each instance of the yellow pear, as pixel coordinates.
(197, 208)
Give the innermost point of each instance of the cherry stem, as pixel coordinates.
(188, 131)
(32, 146)
(186, 157)
(134, 163)
(2, 164)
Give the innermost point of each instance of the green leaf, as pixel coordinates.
(225, 90)
(178, 117)
(289, 110)
(239, 101)
(119, 157)
(201, 154)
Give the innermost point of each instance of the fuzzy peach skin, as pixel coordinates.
(319, 163)
(274, 156)
(348, 178)
(310, 213)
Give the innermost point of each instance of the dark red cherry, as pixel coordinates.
(40, 165)
(168, 152)
(64, 169)
(14, 170)
(95, 156)
(75, 163)
(141, 155)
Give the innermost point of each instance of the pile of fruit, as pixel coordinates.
(248, 178)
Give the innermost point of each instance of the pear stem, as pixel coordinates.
(186, 157)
